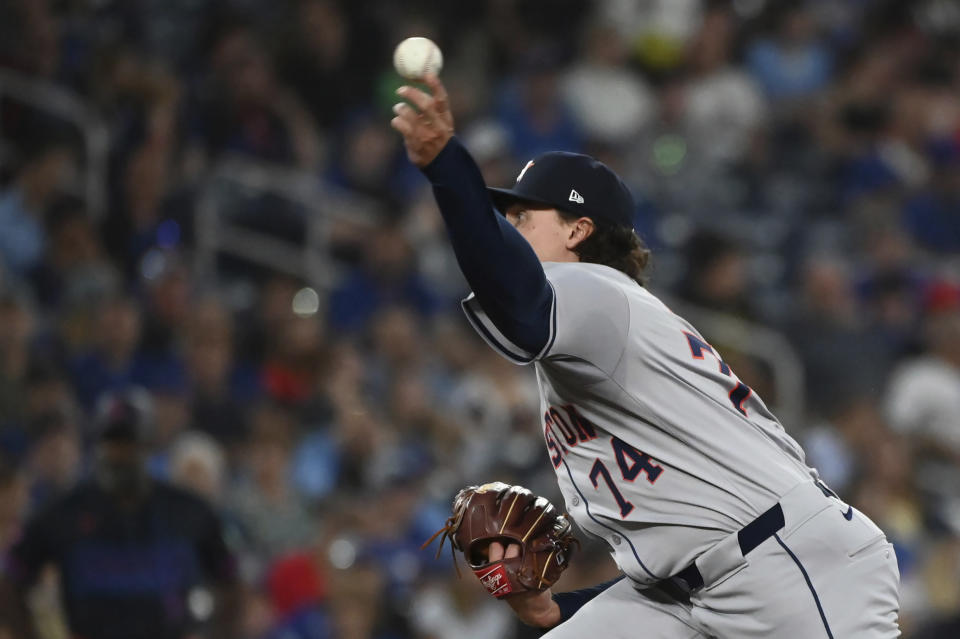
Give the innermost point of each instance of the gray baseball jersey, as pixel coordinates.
(658, 447)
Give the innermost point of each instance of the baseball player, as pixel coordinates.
(708, 508)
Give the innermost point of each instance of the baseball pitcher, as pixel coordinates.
(707, 505)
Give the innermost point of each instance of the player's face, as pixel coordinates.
(120, 468)
(547, 232)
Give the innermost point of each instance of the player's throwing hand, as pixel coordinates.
(428, 128)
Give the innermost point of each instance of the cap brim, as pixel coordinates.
(503, 198)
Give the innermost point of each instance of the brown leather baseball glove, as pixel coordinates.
(509, 514)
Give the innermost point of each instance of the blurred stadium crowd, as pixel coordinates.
(797, 166)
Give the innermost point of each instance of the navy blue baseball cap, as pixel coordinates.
(572, 182)
(124, 416)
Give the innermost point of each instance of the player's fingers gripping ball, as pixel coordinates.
(508, 514)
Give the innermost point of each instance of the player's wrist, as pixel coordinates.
(435, 166)
(536, 609)
(550, 617)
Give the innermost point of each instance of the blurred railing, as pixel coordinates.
(233, 197)
(765, 345)
(65, 105)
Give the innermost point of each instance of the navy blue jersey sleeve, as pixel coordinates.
(571, 602)
(508, 282)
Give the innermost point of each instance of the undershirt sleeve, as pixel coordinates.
(510, 290)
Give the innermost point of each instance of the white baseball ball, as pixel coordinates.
(415, 57)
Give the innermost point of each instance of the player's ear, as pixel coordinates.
(578, 231)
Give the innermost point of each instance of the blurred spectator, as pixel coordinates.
(400, 346)
(858, 124)
(171, 416)
(400, 517)
(531, 107)
(923, 398)
(14, 500)
(121, 512)
(274, 307)
(940, 630)
(358, 607)
(717, 276)
(294, 362)
(424, 226)
(44, 396)
(171, 31)
(475, 401)
(462, 610)
(250, 111)
(221, 389)
(144, 100)
(146, 187)
(940, 587)
(75, 270)
(369, 160)
(13, 508)
(891, 281)
(931, 216)
(45, 171)
(888, 494)
(198, 464)
(387, 277)
(17, 331)
(657, 32)
(610, 102)
(724, 109)
(257, 615)
(340, 457)
(53, 464)
(794, 63)
(168, 297)
(839, 447)
(297, 590)
(489, 144)
(265, 501)
(518, 395)
(841, 354)
(29, 37)
(113, 362)
(329, 59)
(418, 424)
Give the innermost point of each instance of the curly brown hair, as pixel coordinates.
(618, 247)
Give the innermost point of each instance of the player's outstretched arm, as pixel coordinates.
(497, 262)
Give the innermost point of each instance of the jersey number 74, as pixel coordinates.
(631, 463)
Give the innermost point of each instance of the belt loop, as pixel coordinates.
(760, 529)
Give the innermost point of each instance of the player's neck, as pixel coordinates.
(564, 256)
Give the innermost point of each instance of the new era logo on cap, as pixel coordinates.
(575, 197)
